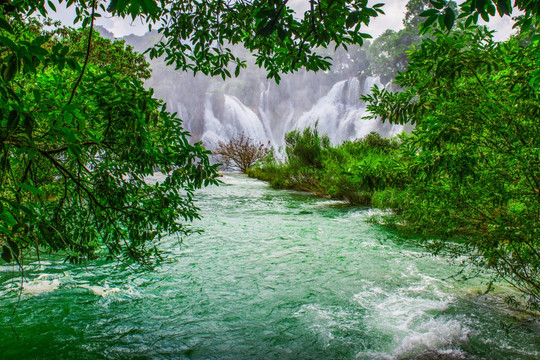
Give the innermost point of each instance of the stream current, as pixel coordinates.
(274, 275)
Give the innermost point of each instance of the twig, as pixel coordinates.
(87, 52)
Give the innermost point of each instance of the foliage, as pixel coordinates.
(75, 159)
(241, 152)
(352, 171)
(388, 52)
(475, 162)
(197, 35)
(305, 149)
(446, 16)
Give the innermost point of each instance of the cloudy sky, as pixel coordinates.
(394, 12)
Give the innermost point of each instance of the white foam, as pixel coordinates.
(41, 285)
(107, 292)
(436, 335)
(413, 316)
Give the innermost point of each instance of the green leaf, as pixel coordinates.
(112, 6)
(441, 19)
(430, 20)
(449, 18)
(437, 4)
(491, 9)
(468, 21)
(17, 227)
(429, 12)
(121, 5)
(149, 7)
(32, 189)
(13, 120)
(40, 40)
(504, 7)
(51, 5)
(37, 95)
(352, 19)
(9, 43)
(14, 248)
(5, 25)
(28, 125)
(6, 254)
(11, 69)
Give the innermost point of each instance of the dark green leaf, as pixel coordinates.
(352, 19)
(437, 4)
(430, 20)
(13, 120)
(504, 7)
(5, 41)
(14, 248)
(51, 5)
(5, 25)
(112, 6)
(449, 18)
(11, 69)
(40, 40)
(429, 12)
(34, 190)
(6, 254)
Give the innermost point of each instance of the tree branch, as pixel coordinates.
(87, 52)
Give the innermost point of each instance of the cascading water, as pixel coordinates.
(264, 110)
(226, 117)
(339, 114)
(296, 103)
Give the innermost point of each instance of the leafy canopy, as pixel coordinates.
(197, 35)
(474, 165)
(80, 134)
(80, 137)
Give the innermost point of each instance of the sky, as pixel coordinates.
(394, 12)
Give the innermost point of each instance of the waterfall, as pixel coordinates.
(265, 111)
(226, 117)
(297, 102)
(339, 114)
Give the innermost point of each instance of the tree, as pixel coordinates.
(75, 159)
(475, 166)
(241, 152)
(388, 53)
(197, 35)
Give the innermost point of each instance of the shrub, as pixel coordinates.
(241, 152)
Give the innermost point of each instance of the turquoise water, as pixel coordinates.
(275, 275)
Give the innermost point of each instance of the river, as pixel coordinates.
(275, 275)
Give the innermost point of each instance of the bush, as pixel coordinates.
(241, 152)
(351, 171)
(305, 149)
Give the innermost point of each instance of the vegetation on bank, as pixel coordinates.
(469, 173)
(74, 160)
(351, 171)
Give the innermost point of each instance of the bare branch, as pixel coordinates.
(241, 152)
